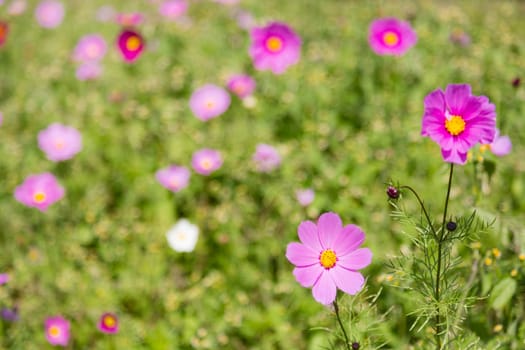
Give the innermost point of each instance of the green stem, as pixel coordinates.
(422, 208)
(336, 309)
(438, 272)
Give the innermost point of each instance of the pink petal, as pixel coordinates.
(325, 290)
(501, 146)
(308, 235)
(329, 226)
(348, 240)
(457, 96)
(300, 255)
(307, 276)
(350, 282)
(356, 260)
(435, 101)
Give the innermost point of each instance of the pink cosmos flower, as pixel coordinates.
(4, 278)
(57, 330)
(60, 142)
(4, 30)
(245, 19)
(1, 118)
(209, 101)
(456, 120)
(242, 85)
(501, 146)
(274, 47)
(108, 323)
(39, 191)
(49, 13)
(173, 9)
(90, 48)
(106, 13)
(329, 257)
(88, 71)
(391, 36)
(206, 161)
(305, 197)
(129, 19)
(174, 177)
(17, 7)
(227, 2)
(266, 158)
(130, 44)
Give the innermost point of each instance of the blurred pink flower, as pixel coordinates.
(4, 278)
(4, 30)
(131, 19)
(49, 13)
(245, 19)
(90, 48)
(88, 71)
(456, 120)
(266, 158)
(106, 13)
(17, 7)
(108, 323)
(130, 44)
(206, 161)
(1, 118)
(57, 330)
(242, 85)
(501, 146)
(391, 36)
(209, 101)
(39, 191)
(60, 142)
(328, 257)
(305, 197)
(173, 9)
(227, 2)
(274, 47)
(174, 177)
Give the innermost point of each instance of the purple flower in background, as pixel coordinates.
(4, 30)
(456, 120)
(129, 19)
(305, 197)
(501, 146)
(173, 9)
(60, 142)
(88, 71)
(130, 44)
(266, 158)
(242, 85)
(10, 314)
(90, 48)
(49, 13)
(39, 191)
(174, 177)
(57, 330)
(274, 47)
(108, 323)
(4, 278)
(209, 101)
(328, 257)
(206, 161)
(391, 36)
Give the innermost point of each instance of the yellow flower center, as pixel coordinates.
(93, 50)
(206, 164)
(182, 236)
(328, 258)
(455, 125)
(274, 44)
(390, 38)
(59, 144)
(239, 88)
(174, 182)
(210, 104)
(133, 43)
(109, 321)
(54, 331)
(39, 197)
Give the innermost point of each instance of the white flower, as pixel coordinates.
(182, 237)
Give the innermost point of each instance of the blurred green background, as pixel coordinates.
(345, 121)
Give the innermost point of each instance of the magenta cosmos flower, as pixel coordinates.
(130, 44)
(108, 323)
(173, 9)
(90, 48)
(329, 257)
(4, 30)
(391, 36)
(49, 13)
(174, 177)
(206, 161)
(60, 142)
(57, 330)
(274, 47)
(241, 85)
(501, 146)
(4, 278)
(266, 158)
(209, 101)
(456, 120)
(39, 191)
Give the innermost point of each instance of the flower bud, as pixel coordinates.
(451, 225)
(355, 346)
(392, 192)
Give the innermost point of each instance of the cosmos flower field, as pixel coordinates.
(243, 174)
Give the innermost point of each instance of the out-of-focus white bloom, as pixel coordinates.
(183, 236)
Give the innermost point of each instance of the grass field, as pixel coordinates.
(345, 122)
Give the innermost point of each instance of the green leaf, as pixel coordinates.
(502, 293)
